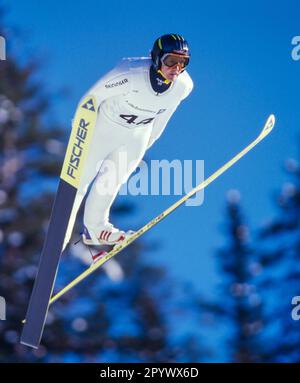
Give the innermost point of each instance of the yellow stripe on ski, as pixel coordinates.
(78, 146)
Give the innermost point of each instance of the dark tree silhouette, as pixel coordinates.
(279, 257)
(241, 305)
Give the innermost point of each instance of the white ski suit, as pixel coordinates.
(131, 117)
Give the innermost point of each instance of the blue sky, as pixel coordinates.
(242, 71)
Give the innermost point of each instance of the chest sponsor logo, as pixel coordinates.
(118, 83)
(140, 109)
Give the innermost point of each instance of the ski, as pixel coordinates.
(269, 125)
(77, 150)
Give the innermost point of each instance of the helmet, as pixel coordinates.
(171, 43)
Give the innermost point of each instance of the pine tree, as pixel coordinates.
(279, 258)
(29, 156)
(241, 306)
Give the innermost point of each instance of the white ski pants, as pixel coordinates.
(115, 152)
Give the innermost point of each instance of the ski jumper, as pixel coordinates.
(131, 117)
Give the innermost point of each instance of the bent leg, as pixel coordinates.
(102, 144)
(114, 171)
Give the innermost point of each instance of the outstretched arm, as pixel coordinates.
(159, 125)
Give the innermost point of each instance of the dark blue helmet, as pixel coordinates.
(171, 43)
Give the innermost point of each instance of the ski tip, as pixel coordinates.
(272, 118)
(269, 125)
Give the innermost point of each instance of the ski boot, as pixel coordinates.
(102, 253)
(106, 235)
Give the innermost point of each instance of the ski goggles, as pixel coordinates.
(172, 59)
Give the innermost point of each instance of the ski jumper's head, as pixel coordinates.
(170, 55)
